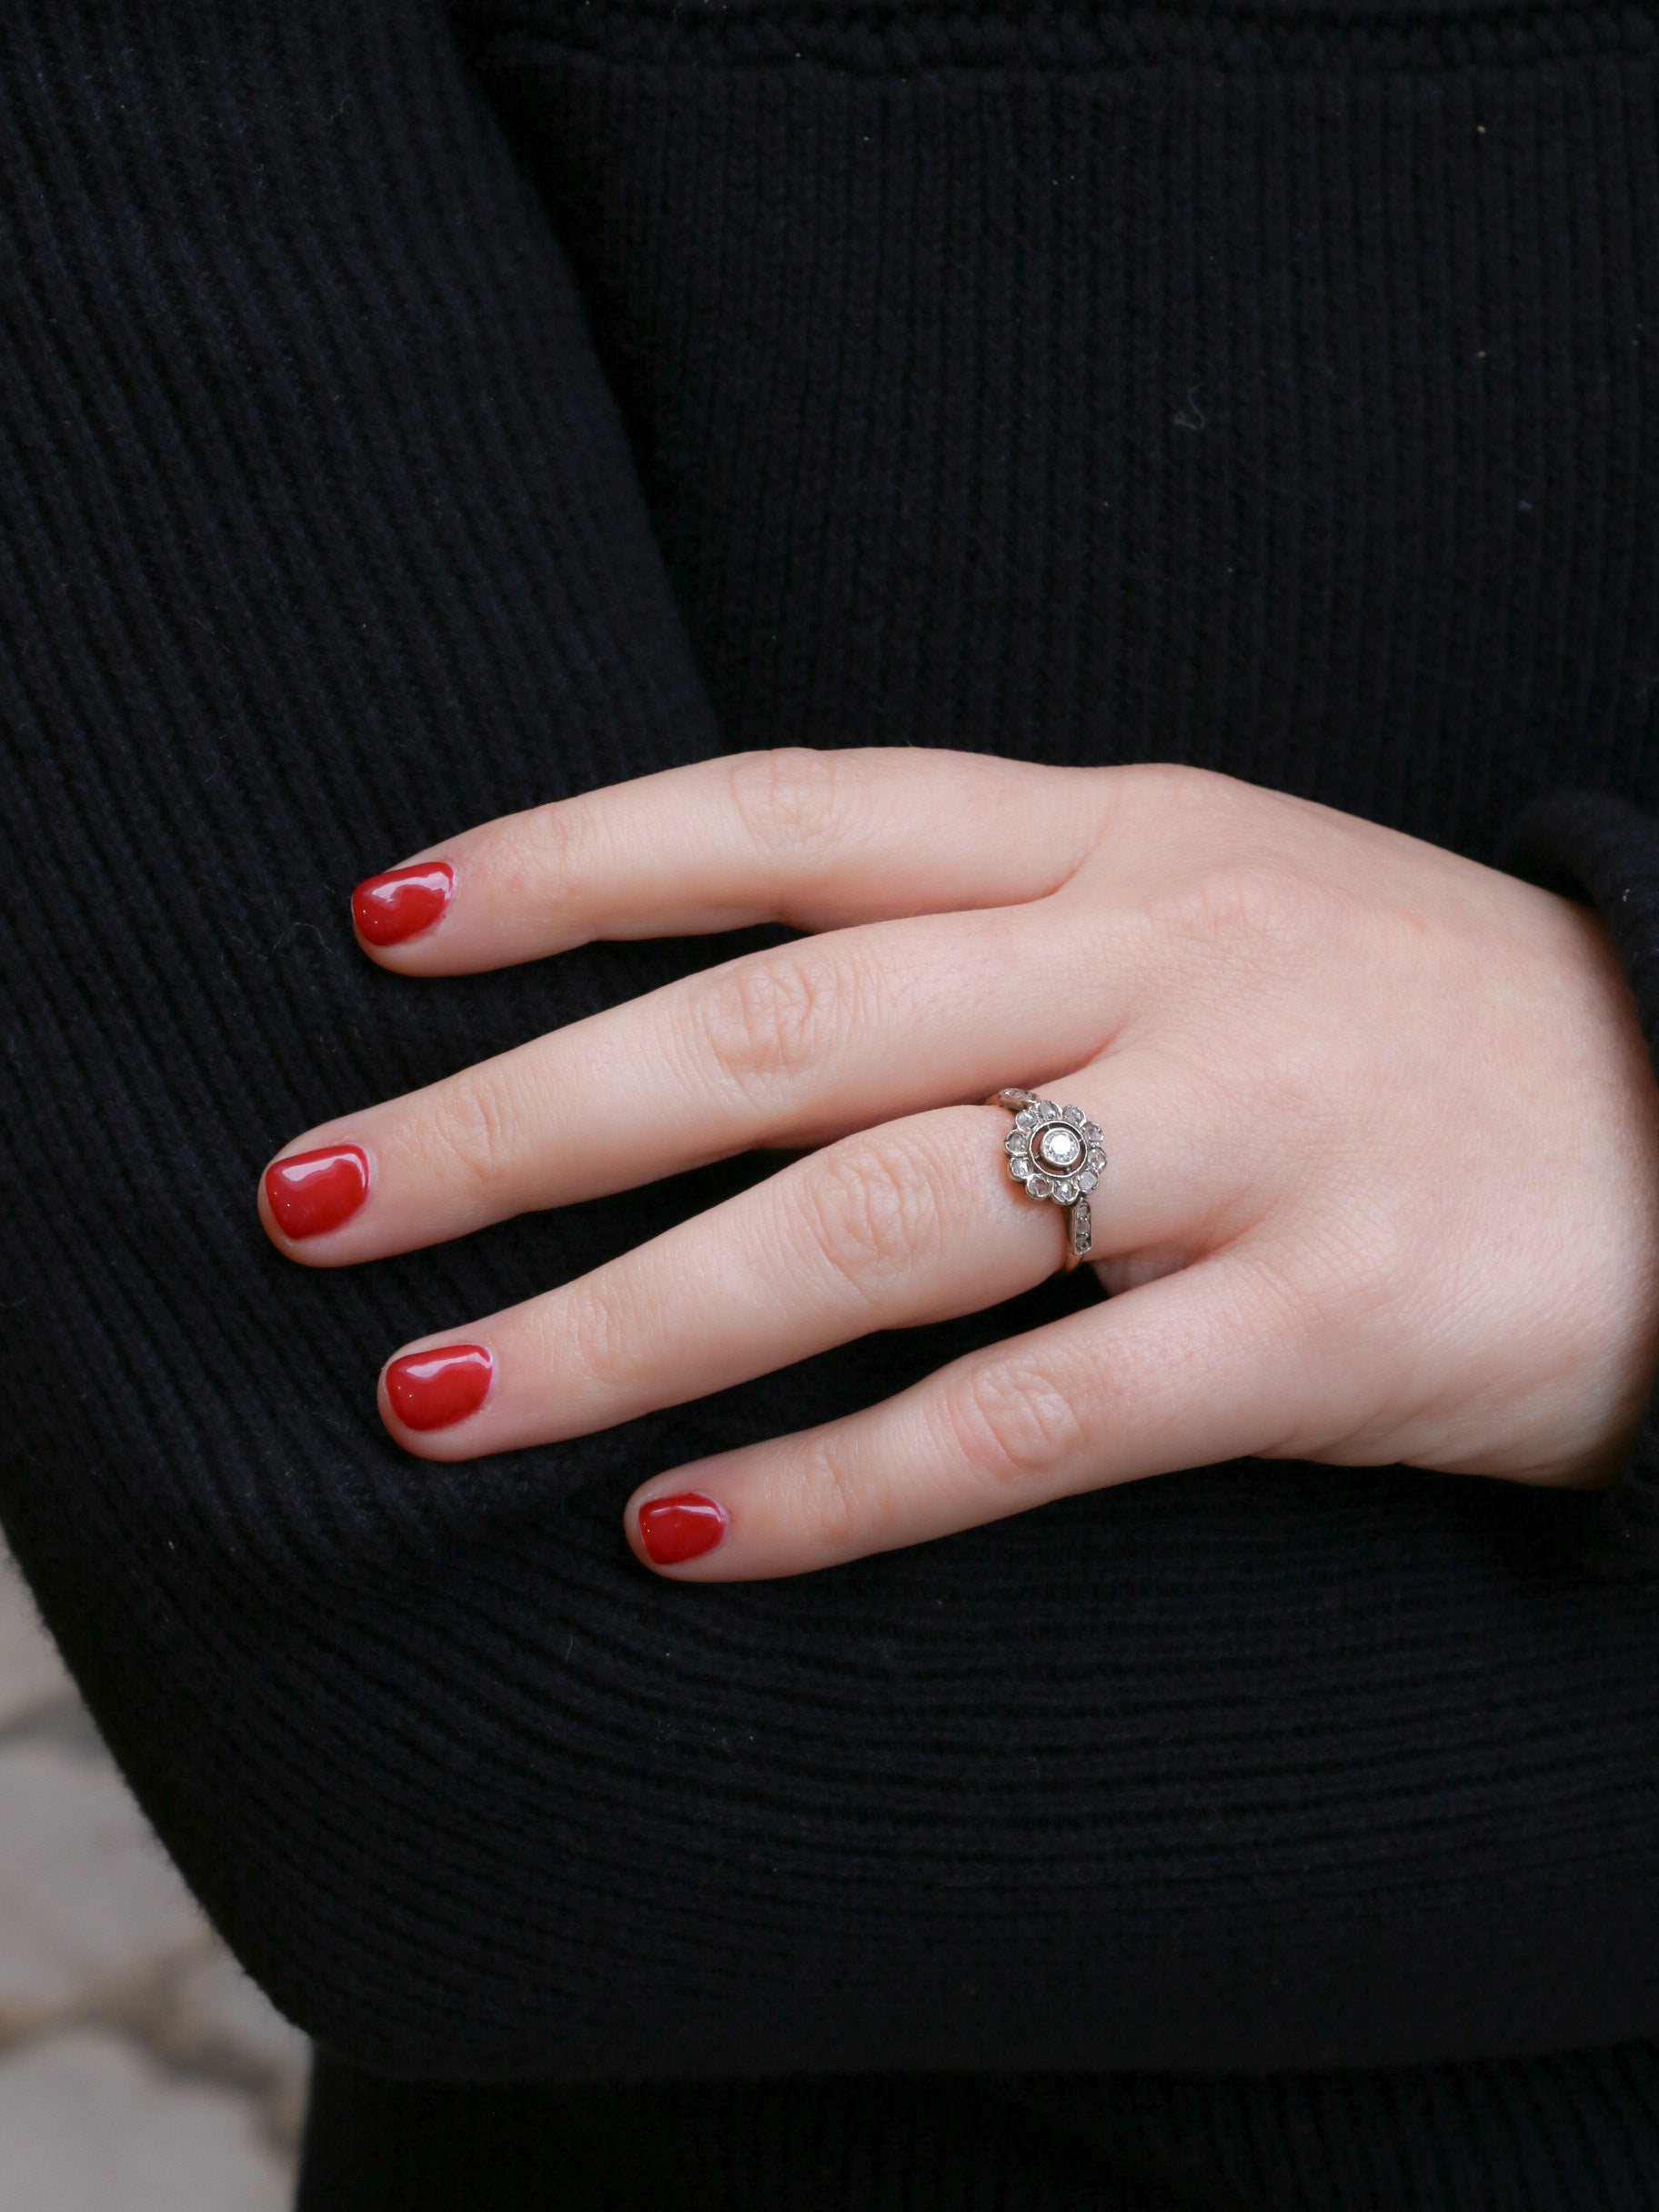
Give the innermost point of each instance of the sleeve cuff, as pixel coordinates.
(1601, 850)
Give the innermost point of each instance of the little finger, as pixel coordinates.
(1194, 1368)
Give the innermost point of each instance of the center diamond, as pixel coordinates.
(1059, 1147)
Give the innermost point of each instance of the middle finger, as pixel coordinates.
(783, 1047)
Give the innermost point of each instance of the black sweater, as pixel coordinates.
(406, 419)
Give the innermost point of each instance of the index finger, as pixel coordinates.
(816, 839)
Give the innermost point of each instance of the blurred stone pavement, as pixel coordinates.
(140, 2070)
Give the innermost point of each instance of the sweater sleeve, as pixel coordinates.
(1599, 848)
(319, 535)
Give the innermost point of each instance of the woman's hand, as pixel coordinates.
(1382, 1141)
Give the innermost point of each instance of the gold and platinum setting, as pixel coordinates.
(1058, 1153)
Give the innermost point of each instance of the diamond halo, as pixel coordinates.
(1058, 1153)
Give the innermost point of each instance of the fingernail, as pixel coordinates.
(682, 1527)
(434, 1390)
(311, 1193)
(402, 903)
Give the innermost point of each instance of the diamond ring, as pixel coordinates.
(1057, 1152)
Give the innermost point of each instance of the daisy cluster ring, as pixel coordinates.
(1056, 1151)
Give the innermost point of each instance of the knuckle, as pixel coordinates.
(831, 1499)
(1170, 799)
(874, 1210)
(1161, 787)
(1257, 910)
(766, 1022)
(603, 1335)
(550, 856)
(790, 801)
(473, 1131)
(1012, 1421)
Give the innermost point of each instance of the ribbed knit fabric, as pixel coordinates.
(1567, 2135)
(402, 420)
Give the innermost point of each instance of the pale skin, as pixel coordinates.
(1382, 1140)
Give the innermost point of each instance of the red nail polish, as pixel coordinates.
(434, 1390)
(682, 1527)
(403, 902)
(311, 1193)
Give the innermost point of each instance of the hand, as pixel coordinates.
(1383, 1178)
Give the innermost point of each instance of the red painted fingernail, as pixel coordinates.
(683, 1527)
(434, 1390)
(402, 903)
(311, 1193)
